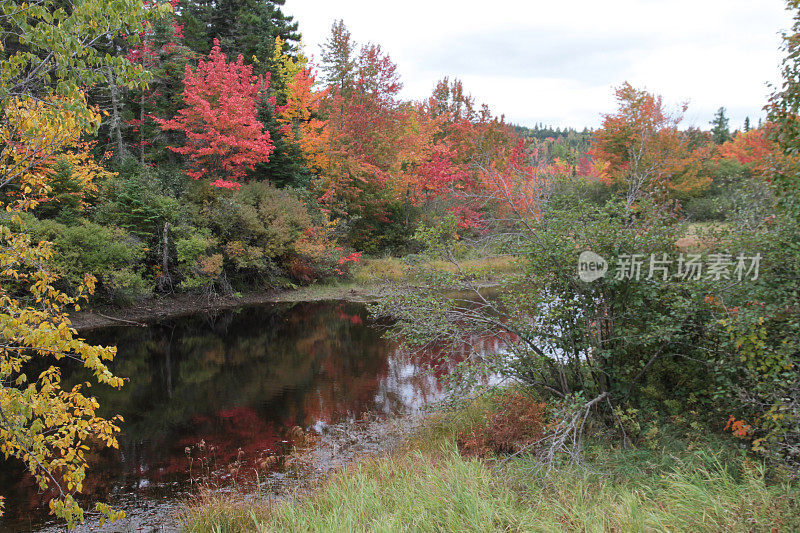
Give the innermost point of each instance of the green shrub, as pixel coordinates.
(258, 231)
(135, 202)
(198, 265)
(190, 248)
(703, 209)
(384, 227)
(111, 254)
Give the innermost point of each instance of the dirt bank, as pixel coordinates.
(162, 307)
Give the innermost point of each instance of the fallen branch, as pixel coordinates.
(131, 322)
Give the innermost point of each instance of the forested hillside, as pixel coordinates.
(242, 165)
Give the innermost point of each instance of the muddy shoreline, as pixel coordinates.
(140, 314)
(332, 449)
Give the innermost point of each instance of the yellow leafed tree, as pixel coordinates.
(44, 114)
(46, 427)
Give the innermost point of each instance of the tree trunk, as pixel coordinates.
(141, 138)
(116, 116)
(164, 280)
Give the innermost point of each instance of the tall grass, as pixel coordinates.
(446, 492)
(413, 493)
(394, 269)
(224, 513)
(702, 483)
(443, 491)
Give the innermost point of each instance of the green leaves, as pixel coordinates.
(56, 49)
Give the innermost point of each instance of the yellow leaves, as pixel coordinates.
(106, 512)
(42, 425)
(286, 68)
(33, 132)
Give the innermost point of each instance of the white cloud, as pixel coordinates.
(557, 62)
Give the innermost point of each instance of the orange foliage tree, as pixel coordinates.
(645, 153)
(300, 119)
(752, 149)
(382, 163)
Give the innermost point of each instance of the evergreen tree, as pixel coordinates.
(164, 54)
(720, 132)
(286, 166)
(746, 124)
(246, 27)
(338, 60)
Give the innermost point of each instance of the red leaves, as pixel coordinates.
(439, 172)
(752, 148)
(517, 422)
(224, 138)
(225, 184)
(377, 74)
(355, 257)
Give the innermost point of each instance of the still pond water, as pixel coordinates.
(212, 389)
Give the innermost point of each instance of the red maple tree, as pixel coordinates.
(224, 138)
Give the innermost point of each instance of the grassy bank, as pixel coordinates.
(678, 484)
(372, 270)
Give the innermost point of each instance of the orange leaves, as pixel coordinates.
(516, 422)
(372, 152)
(644, 151)
(300, 117)
(753, 149)
(738, 427)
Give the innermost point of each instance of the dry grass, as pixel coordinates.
(383, 269)
(395, 269)
(224, 512)
(699, 236)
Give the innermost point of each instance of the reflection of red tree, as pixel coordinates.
(239, 393)
(352, 395)
(441, 357)
(353, 319)
(235, 436)
(353, 380)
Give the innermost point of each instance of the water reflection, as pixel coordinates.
(212, 390)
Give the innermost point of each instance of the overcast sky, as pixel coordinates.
(557, 61)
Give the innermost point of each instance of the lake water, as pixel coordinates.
(216, 389)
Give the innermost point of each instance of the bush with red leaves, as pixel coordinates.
(515, 422)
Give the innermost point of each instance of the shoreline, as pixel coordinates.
(140, 314)
(145, 312)
(329, 451)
